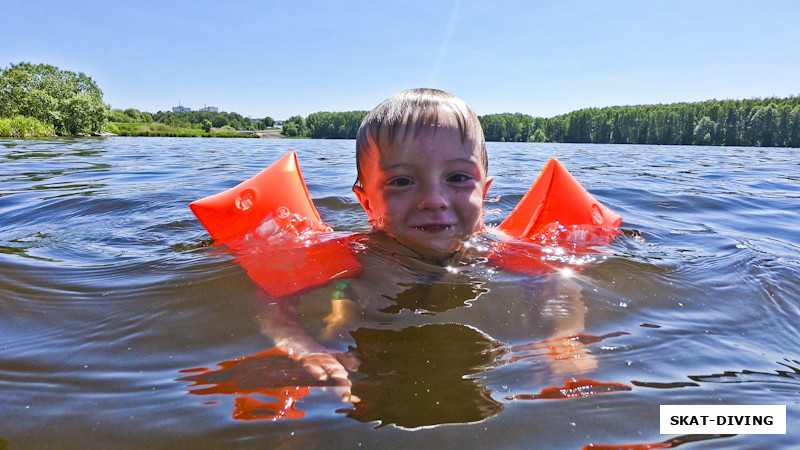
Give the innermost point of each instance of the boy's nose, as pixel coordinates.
(433, 198)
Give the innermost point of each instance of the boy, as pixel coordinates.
(422, 180)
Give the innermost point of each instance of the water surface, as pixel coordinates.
(112, 303)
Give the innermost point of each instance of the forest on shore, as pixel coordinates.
(757, 122)
(41, 100)
(766, 122)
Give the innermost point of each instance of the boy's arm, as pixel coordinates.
(563, 305)
(279, 320)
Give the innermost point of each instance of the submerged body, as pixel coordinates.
(408, 332)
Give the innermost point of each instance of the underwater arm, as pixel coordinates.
(564, 307)
(279, 320)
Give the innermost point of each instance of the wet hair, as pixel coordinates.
(417, 109)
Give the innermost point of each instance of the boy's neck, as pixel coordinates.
(424, 259)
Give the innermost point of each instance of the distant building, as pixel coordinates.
(180, 108)
(186, 108)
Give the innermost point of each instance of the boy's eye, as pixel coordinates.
(400, 182)
(459, 178)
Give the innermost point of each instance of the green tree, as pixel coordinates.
(220, 121)
(762, 124)
(84, 114)
(793, 139)
(268, 122)
(116, 115)
(290, 129)
(177, 121)
(494, 127)
(295, 126)
(703, 131)
(70, 101)
(579, 126)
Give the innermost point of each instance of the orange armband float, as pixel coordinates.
(556, 211)
(274, 208)
(278, 193)
(274, 228)
(556, 199)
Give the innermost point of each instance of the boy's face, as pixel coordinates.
(427, 191)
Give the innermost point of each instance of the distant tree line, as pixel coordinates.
(333, 125)
(756, 122)
(325, 125)
(129, 115)
(196, 119)
(41, 100)
(204, 120)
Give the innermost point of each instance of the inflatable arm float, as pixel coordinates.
(276, 201)
(277, 192)
(556, 199)
(269, 208)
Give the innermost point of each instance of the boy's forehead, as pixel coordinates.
(426, 137)
(417, 150)
(446, 126)
(432, 120)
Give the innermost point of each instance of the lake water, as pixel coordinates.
(121, 327)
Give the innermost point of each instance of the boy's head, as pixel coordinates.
(422, 170)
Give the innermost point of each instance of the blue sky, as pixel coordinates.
(286, 58)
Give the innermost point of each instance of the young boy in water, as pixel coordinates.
(422, 180)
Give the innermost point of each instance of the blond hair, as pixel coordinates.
(416, 108)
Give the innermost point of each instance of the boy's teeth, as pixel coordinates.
(431, 227)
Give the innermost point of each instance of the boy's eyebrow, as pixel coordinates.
(470, 161)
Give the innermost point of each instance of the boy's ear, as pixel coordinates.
(363, 199)
(489, 180)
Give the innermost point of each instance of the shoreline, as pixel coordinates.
(261, 134)
(270, 134)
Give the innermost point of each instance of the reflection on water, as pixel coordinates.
(421, 376)
(121, 327)
(271, 374)
(425, 297)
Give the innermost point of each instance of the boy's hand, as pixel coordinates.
(327, 366)
(323, 364)
(279, 321)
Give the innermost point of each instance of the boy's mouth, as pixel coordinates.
(434, 228)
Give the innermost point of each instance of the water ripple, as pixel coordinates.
(109, 286)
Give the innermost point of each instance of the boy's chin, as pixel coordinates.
(436, 253)
(430, 249)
